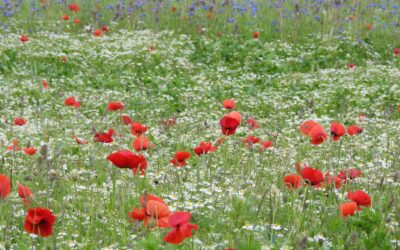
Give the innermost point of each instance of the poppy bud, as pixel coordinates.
(396, 176)
(43, 151)
(275, 190)
(53, 174)
(301, 242)
(74, 175)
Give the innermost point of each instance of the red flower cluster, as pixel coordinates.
(180, 158)
(5, 186)
(358, 198)
(24, 38)
(39, 221)
(137, 129)
(142, 143)
(315, 131)
(251, 140)
(71, 101)
(351, 173)
(318, 135)
(104, 137)
(337, 131)
(126, 119)
(204, 148)
(154, 212)
(396, 52)
(65, 17)
(256, 35)
(252, 124)
(181, 228)
(29, 150)
(19, 121)
(74, 7)
(229, 104)
(112, 106)
(14, 146)
(311, 176)
(25, 194)
(229, 125)
(127, 159)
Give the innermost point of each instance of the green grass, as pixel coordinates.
(242, 201)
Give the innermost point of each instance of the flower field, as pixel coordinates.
(199, 125)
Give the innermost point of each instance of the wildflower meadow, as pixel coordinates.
(200, 124)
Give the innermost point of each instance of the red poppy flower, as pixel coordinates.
(180, 158)
(265, 145)
(5, 186)
(39, 221)
(369, 26)
(347, 209)
(77, 21)
(229, 104)
(14, 146)
(65, 17)
(24, 38)
(221, 140)
(351, 173)
(19, 121)
(104, 137)
(154, 212)
(317, 135)
(71, 101)
(297, 166)
(24, 192)
(329, 180)
(45, 84)
(112, 106)
(74, 7)
(292, 181)
(182, 229)
(354, 130)
(138, 129)
(337, 130)
(250, 140)
(256, 34)
(228, 125)
(306, 127)
(80, 140)
(396, 52)
(127, 159)
(360, 197)
(252, 124)
(30, 151)
(204, 148)
(235, 115)
(351, 66)
(312, 175)
(98, 32)
(105, 28)
(126, 119)
(142, 143)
